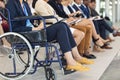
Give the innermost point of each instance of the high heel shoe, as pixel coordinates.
(98, 49)
(98, 42)
(77, 67)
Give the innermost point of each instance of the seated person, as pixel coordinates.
(4, 41)
(81, 25)
(84, 23)
(110, 23)
(58, 31)
(69, 10)
(77, 34)
(102, 23)
(48, 10)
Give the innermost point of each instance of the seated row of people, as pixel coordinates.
(63, 9)
(58, 31)
(74, 31)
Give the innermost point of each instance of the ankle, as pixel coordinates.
(72, 63)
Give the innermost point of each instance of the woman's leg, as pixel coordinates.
(96, 38)
(78, 36)
(83, 47)
(5, 42)
(59, 32)
(62, 34)
(76, 54)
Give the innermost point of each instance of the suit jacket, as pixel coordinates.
(93, 12)
(44, 9)
(58, 8)
(75, 7)
(85, 10)
(16, 10)
(78, 9)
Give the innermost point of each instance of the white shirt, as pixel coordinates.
(72, 8)
(78, 5)
(66, 10)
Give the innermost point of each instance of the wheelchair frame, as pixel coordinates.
(33, 63)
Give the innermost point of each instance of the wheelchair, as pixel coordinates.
(21, 57)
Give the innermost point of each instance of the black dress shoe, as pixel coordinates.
(94, 57)
(64, 63)
(89, 56)
(68, 71)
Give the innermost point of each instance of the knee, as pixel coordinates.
(82, 34)
(89, 28)
(79, 34)
(61, 26)
(83, 29)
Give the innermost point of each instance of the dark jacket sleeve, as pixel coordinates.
(58, 8)
(93, 13)
(15, 10)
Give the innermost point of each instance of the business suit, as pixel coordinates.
(58, 8)
(103, 26)
(58, 31)
(85, 10)
(100, 25)
(44, 9)
(16, 11)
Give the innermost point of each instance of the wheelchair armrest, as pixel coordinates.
(50, 17)
(37, 17)
(28, 17)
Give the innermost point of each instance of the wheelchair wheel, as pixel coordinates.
(50, 74)
(16, 56)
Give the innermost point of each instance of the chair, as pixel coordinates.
(21, 56)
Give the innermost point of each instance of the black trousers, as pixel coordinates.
(61, 32)
(103, 26)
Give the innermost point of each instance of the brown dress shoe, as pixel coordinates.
(117, 34)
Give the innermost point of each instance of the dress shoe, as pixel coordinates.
(68, 71)
(77, 67)
(89, 56)
(116, 34)
(85, 61)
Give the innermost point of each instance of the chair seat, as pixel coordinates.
(35, 36)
